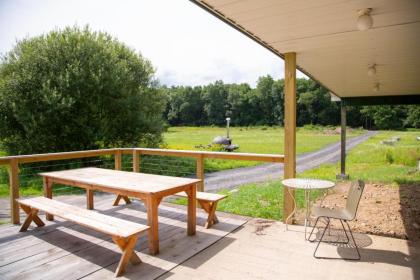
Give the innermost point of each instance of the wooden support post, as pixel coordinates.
(342, 174)
(200, 172)
(136, 161)
(14, 191)
(289, 130)
(117, 159)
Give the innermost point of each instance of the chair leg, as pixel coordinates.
(345, 232)
(348, 241)
(312, 231)
(355, 245)
(320, 240)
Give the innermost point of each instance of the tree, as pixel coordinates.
(413, 116)
(216, 107)
(385, 116)
(76, 89)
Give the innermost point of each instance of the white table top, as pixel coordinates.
(308, 184)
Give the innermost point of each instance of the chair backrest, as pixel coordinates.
(353, 197)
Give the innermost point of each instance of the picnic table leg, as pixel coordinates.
(89, 199)
(192, 218)
(48, 194)
(152, 221)
(118, 198)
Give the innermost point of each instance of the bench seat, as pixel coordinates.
(208, 202)
(124, 233)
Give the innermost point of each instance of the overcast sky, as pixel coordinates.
(186, 45)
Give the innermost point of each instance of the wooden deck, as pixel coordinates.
(236, 248)
(62, 250)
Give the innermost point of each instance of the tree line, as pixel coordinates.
(264, 105)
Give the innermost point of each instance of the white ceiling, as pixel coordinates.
(328, 44)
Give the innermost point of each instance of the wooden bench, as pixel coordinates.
(208, 202)
(124, 233)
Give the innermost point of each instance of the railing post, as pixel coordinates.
(117, 159)
(136, 160)
(14, 190)
(200, 172)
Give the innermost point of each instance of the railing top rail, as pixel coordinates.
(208, 154)
(56, 156)
(146, 151)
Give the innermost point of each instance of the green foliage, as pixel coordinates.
(75, 89)
(386, 117)
(413, 116)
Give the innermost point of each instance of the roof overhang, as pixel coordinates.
(330, 49)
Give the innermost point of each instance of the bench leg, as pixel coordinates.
(128, 254)
(118, 198)
(32, 216)
(210, 208)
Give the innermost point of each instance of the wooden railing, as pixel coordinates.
(13, 163)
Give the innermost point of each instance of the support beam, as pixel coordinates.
(289, 130)
(342, 174)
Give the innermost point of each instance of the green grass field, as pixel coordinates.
(376, 162)
(370, 161)
(265, 140)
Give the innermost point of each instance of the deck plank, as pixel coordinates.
(65, 250)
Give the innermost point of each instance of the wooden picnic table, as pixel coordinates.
(149, 188)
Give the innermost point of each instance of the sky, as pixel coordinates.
(186, 45)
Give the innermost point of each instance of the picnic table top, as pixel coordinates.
(120, 180)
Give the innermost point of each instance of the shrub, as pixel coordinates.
(76, 89)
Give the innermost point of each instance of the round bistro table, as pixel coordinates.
(307, 185)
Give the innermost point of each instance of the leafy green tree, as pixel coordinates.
(216, 106)
(185, 106)
(241, 110)
(77, 89)
(385, 116)
(413, 116)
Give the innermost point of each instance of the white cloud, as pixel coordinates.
(186, 45)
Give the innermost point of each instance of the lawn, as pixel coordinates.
(370, 161)
(376, 162)
(263, 139)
